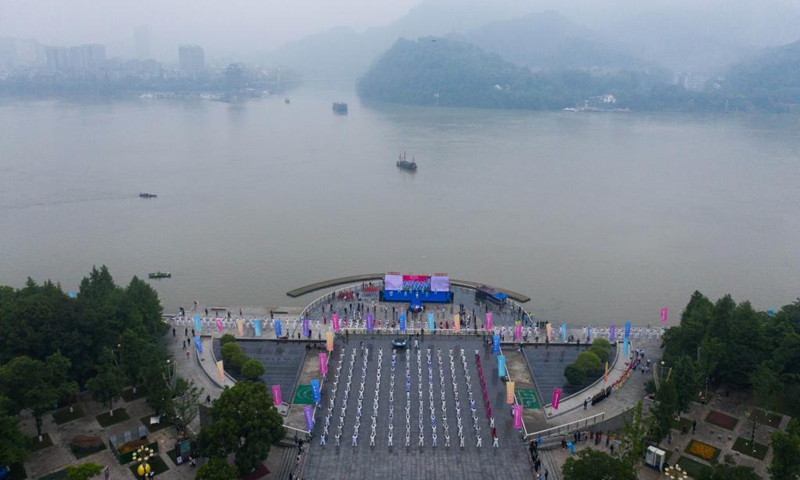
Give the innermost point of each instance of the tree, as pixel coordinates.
(28, 384)
(58, 367)
(252, 369)
(83, 471)
(108, 384)
(589, 362)
(186, 399)
(13, 443)
(634, 436)
(786, 453)
(245, 423)
(574, 374)
(665, 407)
(686, 379)
(601, 348)
(591, 464)
(226, 339)
(233, 356)
(216, 469)
(728, 470)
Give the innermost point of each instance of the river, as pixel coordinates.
(599, 218)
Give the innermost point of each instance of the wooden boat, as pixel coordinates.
(159, 275)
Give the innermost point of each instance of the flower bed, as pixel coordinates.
(721, 420)
(702, 450)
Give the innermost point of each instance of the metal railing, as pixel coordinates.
(567, 427)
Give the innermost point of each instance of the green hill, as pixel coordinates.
(770, 80)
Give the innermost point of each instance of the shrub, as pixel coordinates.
(233, 356)
(575, 375)
(252, 369)
(83, 471)
(226, 339)
(589, 362)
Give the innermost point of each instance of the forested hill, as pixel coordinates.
(769, 81)
(436, 71)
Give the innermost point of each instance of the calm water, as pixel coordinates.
(598, 218)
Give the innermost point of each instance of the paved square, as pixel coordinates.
(398, 461)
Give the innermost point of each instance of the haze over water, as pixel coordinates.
(598, 218)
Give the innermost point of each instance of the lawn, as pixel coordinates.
(129, 396)
(702, 450)
(159, 426)
(721, 420)
(64, 415)
(36, 445)
(156, 464)
(106, 420)
(742, 445)
(766, 418)
(80, 455)
(694, 468)
(681, 423)
(59, 475)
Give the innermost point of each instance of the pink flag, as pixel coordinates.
(488, 321)
(335, 321)
(556, 397)
(323, 363)
(276, 395)
(664, 314)
(517, 331)
(219, 324)
(518, 417)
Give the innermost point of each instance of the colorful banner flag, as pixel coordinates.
(72, 294)
(221, 371)
(315, 390)
(626, 338)
(664, 314)
(563, 332)
(323, 363)
(518, 332)
(589, 333)
(501, 365)
(309, 414)
(257, 327)
(431, 323)
(199, 345)
(556, 398)
(488, 321)
(548, 330)
(335, 322)
(219, 324)
(402, 322)
(306, 328)
(276, 395)
(329, 341)
(495, 344)
(518, 417)
(457, 323)
(240, 327)
(278, 329)
(198, 325)
(612, 333)
(605, 377)
(509, 392)
(370, 323)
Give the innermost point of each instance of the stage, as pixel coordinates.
(422, 296)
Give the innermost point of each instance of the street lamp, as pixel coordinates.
(142, 455)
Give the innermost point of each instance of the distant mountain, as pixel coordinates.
(769, 80)
(548, 40)
(343, 53)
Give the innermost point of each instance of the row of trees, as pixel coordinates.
(102, 339)
(590, 365)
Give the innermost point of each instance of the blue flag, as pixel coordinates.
(198, 325)
(315, 390)
(402, 322)
(501, 365)
(564, 332)
(278, 330)
(431, 322)
(257, 327)
(625, 340)
(495, 344)
(199, 345)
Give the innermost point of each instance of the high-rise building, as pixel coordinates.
(142, 39)
(191, 58)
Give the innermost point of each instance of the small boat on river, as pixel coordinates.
(405, 164)
(159, 275)
(147, 195)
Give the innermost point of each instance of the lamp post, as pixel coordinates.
(142, 455)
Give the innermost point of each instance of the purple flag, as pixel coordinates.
(309, 413)
(517, 331)
(518, 417)
(612, 333)
(323, 363)
(306, 328)
(369, 322)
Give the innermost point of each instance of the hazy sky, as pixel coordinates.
(229, 25)
(240, 28)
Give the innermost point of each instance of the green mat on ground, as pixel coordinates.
(528, 399)
(303, 395)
